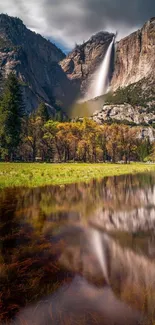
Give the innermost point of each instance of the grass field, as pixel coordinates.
(33, 175)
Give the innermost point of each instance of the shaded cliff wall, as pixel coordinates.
(36, 62)
(135, 57)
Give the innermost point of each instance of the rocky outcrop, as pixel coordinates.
(135, 57)
(128, 114)
(35, 61)
(125, 112)
(82, 62)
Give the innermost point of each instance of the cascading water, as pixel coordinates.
(100, 80)
(98, 86)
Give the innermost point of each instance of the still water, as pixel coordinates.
(30, 219)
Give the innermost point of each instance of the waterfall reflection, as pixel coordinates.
(123, 206)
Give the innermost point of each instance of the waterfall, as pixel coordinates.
(100, 80)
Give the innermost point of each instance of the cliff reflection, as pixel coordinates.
(125, 203)
(123, 206)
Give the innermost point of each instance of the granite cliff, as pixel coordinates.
(36, 62)
(83, 61)
(46, 74)
(125, 112)
(133, 72)
(135, 58)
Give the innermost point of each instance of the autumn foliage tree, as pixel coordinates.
(43, 136)
(84, 141)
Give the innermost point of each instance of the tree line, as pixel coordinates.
(38, 137)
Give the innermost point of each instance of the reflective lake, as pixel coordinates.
(123, 207)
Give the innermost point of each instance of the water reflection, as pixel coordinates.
(80, 304)
(123, 206)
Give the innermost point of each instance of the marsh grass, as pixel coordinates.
(35, 174)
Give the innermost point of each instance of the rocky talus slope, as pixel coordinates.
(125, 112)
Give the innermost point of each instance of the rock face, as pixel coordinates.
(82, 62)
(128, 114)
(46, 74)
(35, 62)
(135, 57)
(124, 112)
(134, 72)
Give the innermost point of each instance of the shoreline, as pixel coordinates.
(47, 174)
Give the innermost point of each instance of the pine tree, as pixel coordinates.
(1, 84)
(11, 114)
(42, 112)
(59, 116)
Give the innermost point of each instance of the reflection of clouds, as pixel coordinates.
(127, 199)
(79, 303)
(131, 275)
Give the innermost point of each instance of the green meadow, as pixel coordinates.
(35, 174)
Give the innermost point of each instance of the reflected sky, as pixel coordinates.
(122, 206)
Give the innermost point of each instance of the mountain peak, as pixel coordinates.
(8, 22)
(7, 18)
(13, 30)
(35, 61)
(101, 36)
(152, 19)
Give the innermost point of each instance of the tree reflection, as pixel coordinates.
(124, 206)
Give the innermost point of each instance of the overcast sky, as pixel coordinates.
(73, 21)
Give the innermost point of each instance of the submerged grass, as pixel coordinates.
(35, 174)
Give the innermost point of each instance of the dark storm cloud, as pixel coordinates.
(124, 11)
(71, 21)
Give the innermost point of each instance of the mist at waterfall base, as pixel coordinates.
(97, 87)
